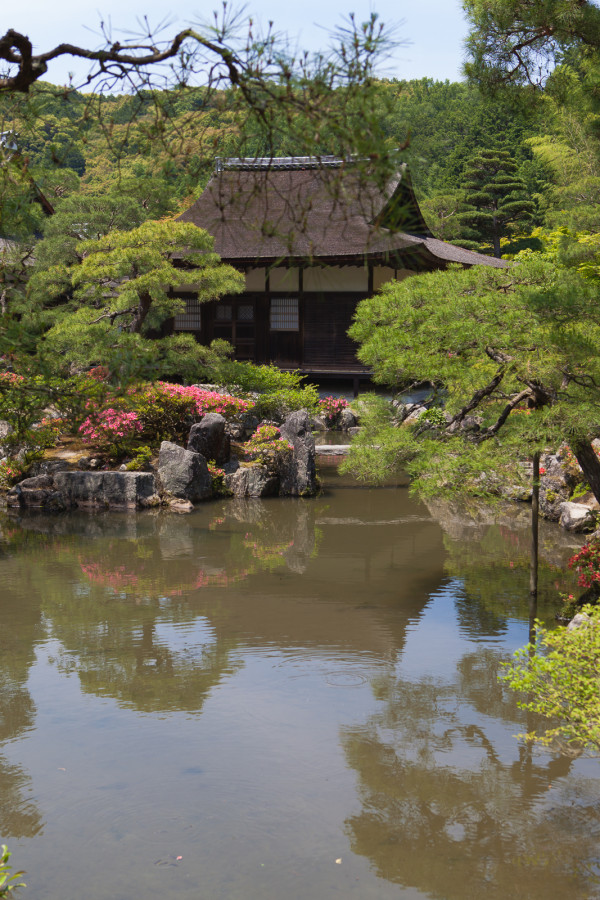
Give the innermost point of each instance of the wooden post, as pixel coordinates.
(535, 513)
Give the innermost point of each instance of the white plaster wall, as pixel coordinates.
(284, 279)
(383, 274)
(255, 279)
(336, 278)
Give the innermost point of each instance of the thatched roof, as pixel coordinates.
(265, 211)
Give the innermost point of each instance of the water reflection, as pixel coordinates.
(288, 677)
(19, 815)
(450, 808)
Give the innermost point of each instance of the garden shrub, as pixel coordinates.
(267, 447)
(331, 407)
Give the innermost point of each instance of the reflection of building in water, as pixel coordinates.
(296, 575)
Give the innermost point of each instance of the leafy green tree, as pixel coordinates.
(511, 354)
(558, 674)
(495, 200)
(122, 293)
(516, 42)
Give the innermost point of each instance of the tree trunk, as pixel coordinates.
(142, 311)
(497, 252)
(590, 465)
(535, 518)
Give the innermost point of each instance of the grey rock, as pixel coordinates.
(36, 493)
(554, 491)
(181, 506)
(413, 412)
(105, 489)
(518, 492)
(578, 621)
(5, 430)
(352, 432)
(183, 473)
(231, 466)
(576, 517)
(50, 466)
(209, 438)
(318, 423)
(122, 467)
(347, 419)
(298, 476)
(252, 481)
(332, 449)
(242, 427)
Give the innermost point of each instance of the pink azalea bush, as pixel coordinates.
(331, 407)
(110, 428)
(267, 446)
(207, 401)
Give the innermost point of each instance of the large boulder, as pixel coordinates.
(298, 475)
(252, 481)
(36, 493)
(108, 489)
(209, 438)
(66, 490)
(560, 476)
(347, 419)
(183, 473)
(577, 517)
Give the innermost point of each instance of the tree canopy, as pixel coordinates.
(511, 356)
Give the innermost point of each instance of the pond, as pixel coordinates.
(285, 698)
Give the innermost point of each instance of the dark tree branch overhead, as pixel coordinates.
(17, 50)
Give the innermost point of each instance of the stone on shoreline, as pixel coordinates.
(68, 490)
(576, 517)
(298, 477)
(252, 481)
(183, 474)
(209, 438)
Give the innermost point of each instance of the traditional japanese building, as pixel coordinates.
(313, 237)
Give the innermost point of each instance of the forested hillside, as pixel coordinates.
(155, 150)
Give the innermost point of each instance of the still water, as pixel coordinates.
(281, 699)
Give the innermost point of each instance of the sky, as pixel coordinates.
(430, 32)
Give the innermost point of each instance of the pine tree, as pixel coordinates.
(495, 200)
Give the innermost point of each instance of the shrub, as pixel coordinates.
(141, 460)
(219, 488)
(10, 473)
(558, 674)
(268, 447)
(331, 407)
(111, 429)
(587, 564)
(433, 416)
(8, 879)
(279, 404)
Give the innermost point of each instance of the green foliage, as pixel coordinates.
(517, 348)
(8, 879)
(267, 447)
(141, 460)
(494, 200)
(558, 674)
(164, 416)
(121, 292)
(248, 378)
(512, 42)
(279, 393)
(277, 404)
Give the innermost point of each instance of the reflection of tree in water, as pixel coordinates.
(136, 621)
(444, 810)
(488, 549)
(19, 629)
